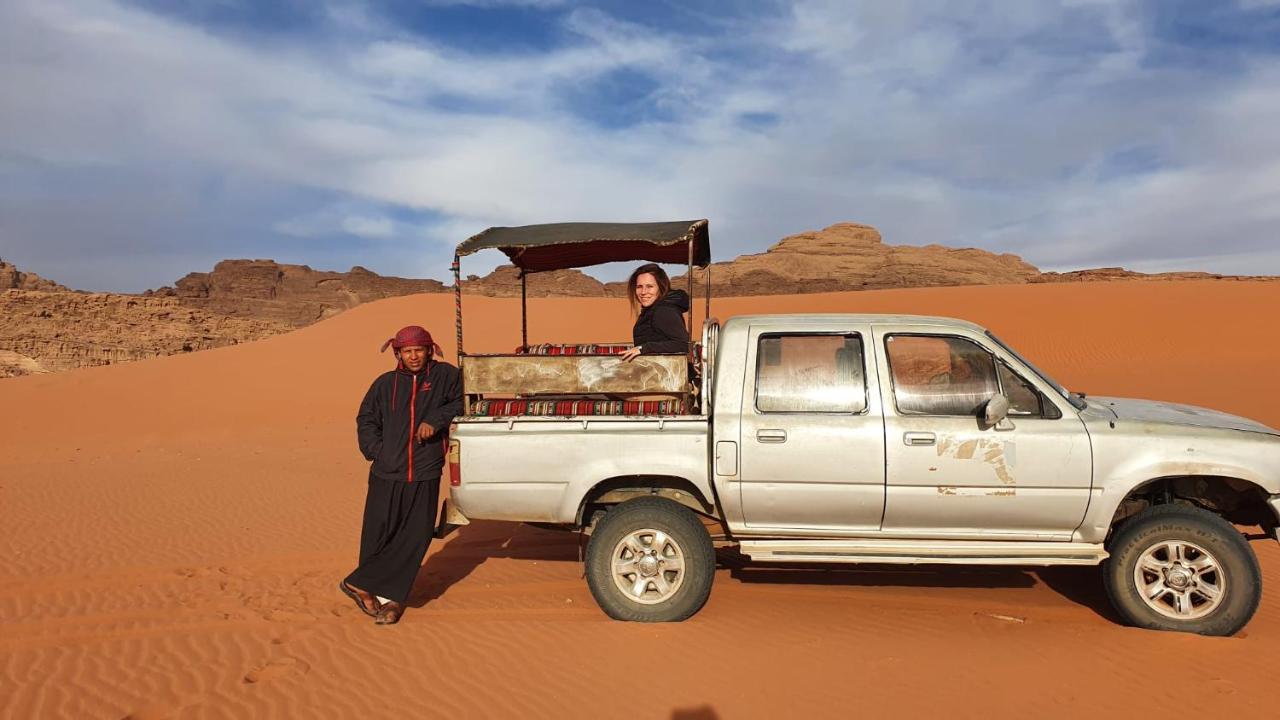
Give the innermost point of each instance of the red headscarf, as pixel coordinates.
(411, 335)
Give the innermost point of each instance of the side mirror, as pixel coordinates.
(996, 409)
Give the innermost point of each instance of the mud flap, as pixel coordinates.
(1274, 529)
(450, 519)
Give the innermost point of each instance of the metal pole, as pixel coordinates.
(457, 302)
(708, 279)
(524, 312)
(690, 277)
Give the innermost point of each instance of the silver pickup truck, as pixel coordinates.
(845, 439)
(886, 439)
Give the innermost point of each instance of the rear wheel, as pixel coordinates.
(1175, 567)
(650, 560)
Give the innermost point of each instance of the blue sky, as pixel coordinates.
(141, 140)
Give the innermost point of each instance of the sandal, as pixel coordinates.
(351, 593)
(389, 614)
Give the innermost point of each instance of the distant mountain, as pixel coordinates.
(291, 294)
(46, 327)
(849, 256)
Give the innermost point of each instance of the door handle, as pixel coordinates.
(918, 438)
(771, 436)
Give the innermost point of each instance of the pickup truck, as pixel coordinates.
(886, 439)
(845, 439)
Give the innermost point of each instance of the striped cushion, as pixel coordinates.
(505, 408)
(583, 349)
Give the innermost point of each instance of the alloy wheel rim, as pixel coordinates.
(647, 566)
(1180, 580)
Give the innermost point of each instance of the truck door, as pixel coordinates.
(951, 475)
(812, 435)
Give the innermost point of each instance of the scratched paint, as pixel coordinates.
(999, 455)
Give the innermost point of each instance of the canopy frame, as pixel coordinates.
(561, 246)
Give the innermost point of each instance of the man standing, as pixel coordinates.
(401, 427)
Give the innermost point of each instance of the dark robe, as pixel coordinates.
(404, 475)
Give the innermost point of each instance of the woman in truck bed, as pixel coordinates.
(659, 326)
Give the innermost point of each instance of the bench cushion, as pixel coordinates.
(507, 408)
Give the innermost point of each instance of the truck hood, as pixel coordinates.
(1175, 414)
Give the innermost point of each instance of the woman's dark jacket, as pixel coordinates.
(387, 424)
(660, 327)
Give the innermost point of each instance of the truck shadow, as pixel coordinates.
(471, 545)
(1079, 585)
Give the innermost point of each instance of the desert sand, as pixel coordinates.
(173, 530)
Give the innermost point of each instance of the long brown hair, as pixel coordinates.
(660, 275)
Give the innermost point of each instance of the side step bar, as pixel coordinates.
(923, 552)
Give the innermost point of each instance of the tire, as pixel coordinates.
(654, 546)
(1180, 568)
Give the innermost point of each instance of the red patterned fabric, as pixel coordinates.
(507, 408)
(581, 349)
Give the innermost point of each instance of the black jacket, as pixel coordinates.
(397, 402)
(660, 327)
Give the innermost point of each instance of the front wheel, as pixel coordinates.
(1175, 567)
(650, 560)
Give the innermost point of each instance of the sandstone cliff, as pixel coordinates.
(13, 279)
(44, 327)
(505, 282)
(291, 294)
(52, 331)
(849, 256)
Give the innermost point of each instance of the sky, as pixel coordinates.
(141, 140)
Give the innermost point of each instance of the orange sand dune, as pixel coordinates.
(173, 531)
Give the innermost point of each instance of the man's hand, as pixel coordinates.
(631, 354)
(425, 432)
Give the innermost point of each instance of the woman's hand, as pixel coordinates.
(631, 354)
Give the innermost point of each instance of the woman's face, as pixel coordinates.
(646, 289)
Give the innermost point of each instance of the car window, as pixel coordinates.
(940, 375)
(1023, 398)
(810, 373)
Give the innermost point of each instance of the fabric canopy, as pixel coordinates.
(535, 248)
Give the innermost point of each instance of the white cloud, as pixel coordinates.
(992, 124)
(369, 227)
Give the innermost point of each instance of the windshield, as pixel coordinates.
(1076, 401)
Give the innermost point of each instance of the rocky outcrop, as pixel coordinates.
(11, 278)
(292, 294)
(53, 331)
(848, 256)
(1119, 273)
(44, 327)
(505, 282)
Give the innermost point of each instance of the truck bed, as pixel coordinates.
(539, 469)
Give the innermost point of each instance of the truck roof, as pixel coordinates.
(862, 318)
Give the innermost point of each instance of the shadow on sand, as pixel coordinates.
(1080, 585)
(471, 545)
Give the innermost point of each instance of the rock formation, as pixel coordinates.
(848, 256)
(292, 294)
(44, 327)
(505, 282)
(53, 331)
(13, 279)
(1119, 273)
